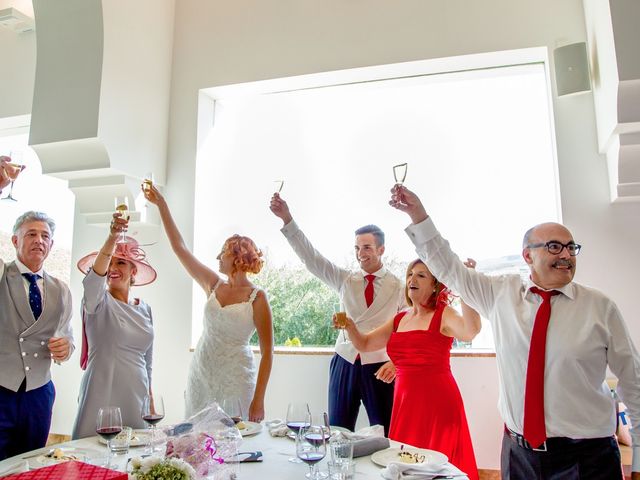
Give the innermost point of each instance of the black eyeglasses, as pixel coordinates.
(555, 248)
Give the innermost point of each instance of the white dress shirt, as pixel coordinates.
(388, 293)
(586, 333)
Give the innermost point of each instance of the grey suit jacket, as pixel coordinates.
(23, 340)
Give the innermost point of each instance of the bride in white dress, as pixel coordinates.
(223, 366)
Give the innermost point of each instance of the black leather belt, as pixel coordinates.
(557, 444)
(520, 440)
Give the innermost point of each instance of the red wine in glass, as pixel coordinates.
(316, 439)
(296, 426)
(152, 419)
(311, 458)
(108, 433)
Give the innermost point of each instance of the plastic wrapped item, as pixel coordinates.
(208, 441)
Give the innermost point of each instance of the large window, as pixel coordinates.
(34, 191)
(480, 152)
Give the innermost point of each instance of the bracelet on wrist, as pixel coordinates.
(105, 254)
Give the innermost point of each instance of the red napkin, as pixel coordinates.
(70, 471)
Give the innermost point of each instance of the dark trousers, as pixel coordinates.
(25, 418)
(351, 384)
(566, 459)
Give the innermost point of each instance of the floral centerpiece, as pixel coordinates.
(155, 468)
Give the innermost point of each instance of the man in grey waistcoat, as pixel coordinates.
(35, 329)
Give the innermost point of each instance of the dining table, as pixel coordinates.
(275, 464)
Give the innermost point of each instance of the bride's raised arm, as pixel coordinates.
(202, 274)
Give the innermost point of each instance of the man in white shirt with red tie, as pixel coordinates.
(370, 297)
(554, 339)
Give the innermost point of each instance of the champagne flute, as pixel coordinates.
(311, 447)
(13, 169)
(400, 173)
(108, 425)
(147, 182)
(341, 321)
(122, 207)
(152, 413)
(279, 184)
(297, 418)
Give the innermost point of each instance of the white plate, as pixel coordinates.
(388, 455)
(139, 438)
(250, 428)
(70, 453)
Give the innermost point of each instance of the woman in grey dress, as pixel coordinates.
(117, 340)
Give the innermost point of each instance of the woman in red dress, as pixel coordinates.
(427, 407)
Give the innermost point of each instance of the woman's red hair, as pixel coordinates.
(246, 255)
(441, 294)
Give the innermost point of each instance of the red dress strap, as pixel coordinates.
(436, 320)
(397, 318)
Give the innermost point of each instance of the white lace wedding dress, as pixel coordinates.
(223, 365)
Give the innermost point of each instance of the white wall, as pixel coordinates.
(18, 53)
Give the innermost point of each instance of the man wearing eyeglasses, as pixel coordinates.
(554, 340)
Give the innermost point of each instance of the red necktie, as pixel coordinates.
(534, 430)
(368, 290)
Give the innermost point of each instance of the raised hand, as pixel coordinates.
(152, 194)
(5, 180)
(118, 225)
(280, 208)
(470, 263)
(406, 201)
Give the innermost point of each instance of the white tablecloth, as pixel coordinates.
(275, 450)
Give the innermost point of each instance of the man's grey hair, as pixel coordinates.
(32, 216)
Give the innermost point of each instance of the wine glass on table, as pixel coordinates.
(13, 169)
(152, 413)
(311, 447)
(297, 417)
(122, 207)
(322, 421)
(108, 425)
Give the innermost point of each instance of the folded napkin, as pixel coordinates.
(276, 427)
(19, 467)
(366, 432)
(367, 446)
(426, 471)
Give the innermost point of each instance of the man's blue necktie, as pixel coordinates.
(35, 299)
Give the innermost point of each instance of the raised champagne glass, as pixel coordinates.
(122, 207)
(278, 185)
(147, 182)
(400, 173)
(13, 169)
